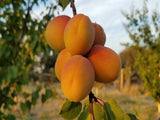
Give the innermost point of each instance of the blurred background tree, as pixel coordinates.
(143, 27)
(24, 53)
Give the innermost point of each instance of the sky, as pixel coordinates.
(108, 13)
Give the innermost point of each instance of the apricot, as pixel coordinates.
(100, 36)
(55, 32)
(77, 78)
(62, 58)
(79, 35)
(106, 63)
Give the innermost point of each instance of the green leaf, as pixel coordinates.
(10, 117)
(98, 112)
(49, 93)
(11, 101)
(43, 98)
(26, 95)
(114, 111)
(35, 96)
(85, 113)
(8, 101)
(18, 88)
(132, 117)
(63, 3)
(108, 111)
(70, 110)
(14, 94)
(38, 88)
(28, 103)
(13, 71)
(23, 107)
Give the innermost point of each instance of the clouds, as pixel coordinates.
(108, 14)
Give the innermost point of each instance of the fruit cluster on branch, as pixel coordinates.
(83, 58)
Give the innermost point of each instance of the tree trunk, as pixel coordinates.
(158, 109)
(121, 79)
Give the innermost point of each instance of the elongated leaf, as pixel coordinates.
(63, 3)
(85, 113)
(23, 107)
(70, 110)
(132, 117)
(49, 93)
(114, 111)
(99, 113)
(109, 112)
(43, 98)
(35, 96)
(28, 104)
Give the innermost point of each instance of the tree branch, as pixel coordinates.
(73, 7)
(24, 27)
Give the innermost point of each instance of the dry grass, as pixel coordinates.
(142, 106)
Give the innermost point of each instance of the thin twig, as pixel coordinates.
(100, 104)
(100, 100)
(73, 7)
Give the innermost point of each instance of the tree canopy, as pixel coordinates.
(144, 30)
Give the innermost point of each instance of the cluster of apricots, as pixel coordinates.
(83, 58)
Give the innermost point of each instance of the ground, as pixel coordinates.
(133, 101)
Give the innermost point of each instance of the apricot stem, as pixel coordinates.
(100, 104)
(91, 111)
(73, 7)
(100, 100)
(95, 99)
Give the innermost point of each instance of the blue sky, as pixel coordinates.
(108, 13)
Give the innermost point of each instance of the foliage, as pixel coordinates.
(63, 3)
(128, 57)
(144, 30)
(22, 41)
(70, 110)
(111, 111)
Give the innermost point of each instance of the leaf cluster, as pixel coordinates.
(110, 111)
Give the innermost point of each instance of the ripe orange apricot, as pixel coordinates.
(62, 58)
(106, 63)
(79, 35)
(55, 32)
(100, 36)
(77, 78)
